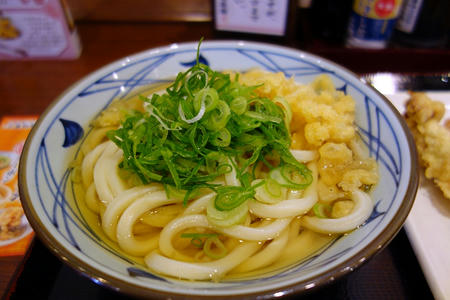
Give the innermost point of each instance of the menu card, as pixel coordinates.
(37, 29)
(16, 233)
(263, 17)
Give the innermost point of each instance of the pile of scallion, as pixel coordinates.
(206, 125)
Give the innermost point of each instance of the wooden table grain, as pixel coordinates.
(10, 269)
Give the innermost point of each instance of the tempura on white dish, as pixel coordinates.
(424, 116)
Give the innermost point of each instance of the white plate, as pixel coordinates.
(428, 224)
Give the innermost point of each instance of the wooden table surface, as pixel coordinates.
(28, 87)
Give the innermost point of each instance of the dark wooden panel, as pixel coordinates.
(28, 87)
(141, 10)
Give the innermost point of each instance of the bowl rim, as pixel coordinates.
(324, 278)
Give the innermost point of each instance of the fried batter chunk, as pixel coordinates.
(423, 116)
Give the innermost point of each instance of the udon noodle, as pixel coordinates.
(273, 228)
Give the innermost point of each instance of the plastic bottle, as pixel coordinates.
(372, 22)
(422, 23)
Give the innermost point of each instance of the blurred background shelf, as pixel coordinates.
(319, 29)
(392, 59)
(113, 29)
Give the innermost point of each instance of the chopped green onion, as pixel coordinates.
(214, 160)
(239, 105)
(194, 119)
(230, 197)
(210, 239)
(263, 117)
(287, 109)
(322, 210)
(196, 81)
(291, 176)
(198, 235)
(270, 192)
(296, 177)
(196, 238)
(174, 193)
(219, 116)
(197, 242)
(206, 97)
(215, 254)
(204, 126)
(226, 218)
(221, 138)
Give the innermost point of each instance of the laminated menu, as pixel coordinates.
(37, 29)
(15, 231)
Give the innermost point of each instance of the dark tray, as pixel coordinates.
(394, 273)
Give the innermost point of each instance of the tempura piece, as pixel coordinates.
(423, 116)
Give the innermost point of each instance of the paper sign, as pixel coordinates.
(252, 16)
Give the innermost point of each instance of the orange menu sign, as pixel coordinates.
(15, 232)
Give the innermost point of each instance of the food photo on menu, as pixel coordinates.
(15, 232)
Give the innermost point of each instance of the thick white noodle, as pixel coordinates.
(91, 199)
(94, 139)
(88, 164)
(116, 183)
(304, 155)
(177, 225)
(115, 209)
(106, 174)
(198, 206)
(231, 177)
(125, 237)
(294, 228)
(285, 208)
(262, 233)
(201, 271)
(266, 256)
(361, 211)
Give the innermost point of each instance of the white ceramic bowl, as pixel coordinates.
(50, 207)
